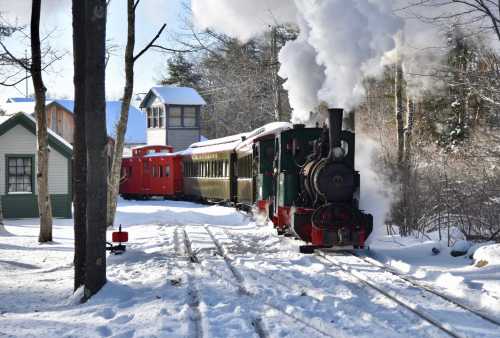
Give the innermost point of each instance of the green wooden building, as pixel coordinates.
(18, 161)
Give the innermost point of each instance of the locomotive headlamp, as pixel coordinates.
(338, 152)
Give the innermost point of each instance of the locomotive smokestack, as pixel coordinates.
(335, 117)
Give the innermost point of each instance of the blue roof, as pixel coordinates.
(175, 95)
(136, 126)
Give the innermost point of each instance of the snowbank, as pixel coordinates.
(489, 254)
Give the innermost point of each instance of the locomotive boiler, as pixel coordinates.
(326, 213)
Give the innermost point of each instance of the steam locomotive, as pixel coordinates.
(302, 179)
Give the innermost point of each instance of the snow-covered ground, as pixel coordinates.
(209, 271)
(473, 278)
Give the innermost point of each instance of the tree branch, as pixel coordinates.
(151, 43)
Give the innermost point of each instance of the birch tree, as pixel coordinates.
(42, 176)
(121, 127)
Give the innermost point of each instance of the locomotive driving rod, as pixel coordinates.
(335, 117)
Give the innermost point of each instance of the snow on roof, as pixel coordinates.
(211, 146)
(4, 119)
(20, 99)
(12, 108)
(175, 95)
(136, 126)
(268, 129)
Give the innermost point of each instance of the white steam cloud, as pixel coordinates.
(340, 42)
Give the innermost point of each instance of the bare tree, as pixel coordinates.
(79, 146)
(96, 141)
(485, 14)
(398, 97)
(42, 176)
(121, 127)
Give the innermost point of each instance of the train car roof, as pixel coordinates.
(269, 129)
(222, 144)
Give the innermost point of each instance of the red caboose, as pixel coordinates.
(151, 171)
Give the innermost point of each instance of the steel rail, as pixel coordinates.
(410, 307)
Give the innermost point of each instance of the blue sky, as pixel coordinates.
(56, 18)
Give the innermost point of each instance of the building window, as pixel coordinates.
(150, 117)
(156, 117)
(175, 117)
(180, 116)
(20, 174)
(161, 114)
(189, 117)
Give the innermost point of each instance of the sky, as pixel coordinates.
(56, 19)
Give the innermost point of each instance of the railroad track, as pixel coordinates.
(193, 294)
(255, 322)
(290, 311)
(428, 289)
(386, 322)
(484, 326)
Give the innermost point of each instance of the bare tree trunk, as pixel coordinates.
(408, 213)
(1, 215)
(42, 176)
(79, 146)
(121, 128)
(96, 140)
(398, 104)
(408, 132)
(275, 78)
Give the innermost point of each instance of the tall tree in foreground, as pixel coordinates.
(96, 141)
(79, 147)
(42, 176)
(121, 128)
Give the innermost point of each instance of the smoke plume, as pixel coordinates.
(340, 42)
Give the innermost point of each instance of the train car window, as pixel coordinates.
(153, 169)
(167, 170)
(160, 171)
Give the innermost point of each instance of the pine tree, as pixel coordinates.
(181, 72)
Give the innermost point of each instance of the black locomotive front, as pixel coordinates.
(327, 214)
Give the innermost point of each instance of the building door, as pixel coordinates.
(146, 177)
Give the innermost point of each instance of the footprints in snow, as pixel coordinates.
(109, 314)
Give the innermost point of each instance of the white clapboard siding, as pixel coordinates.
(19, 140)
(157, 136)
